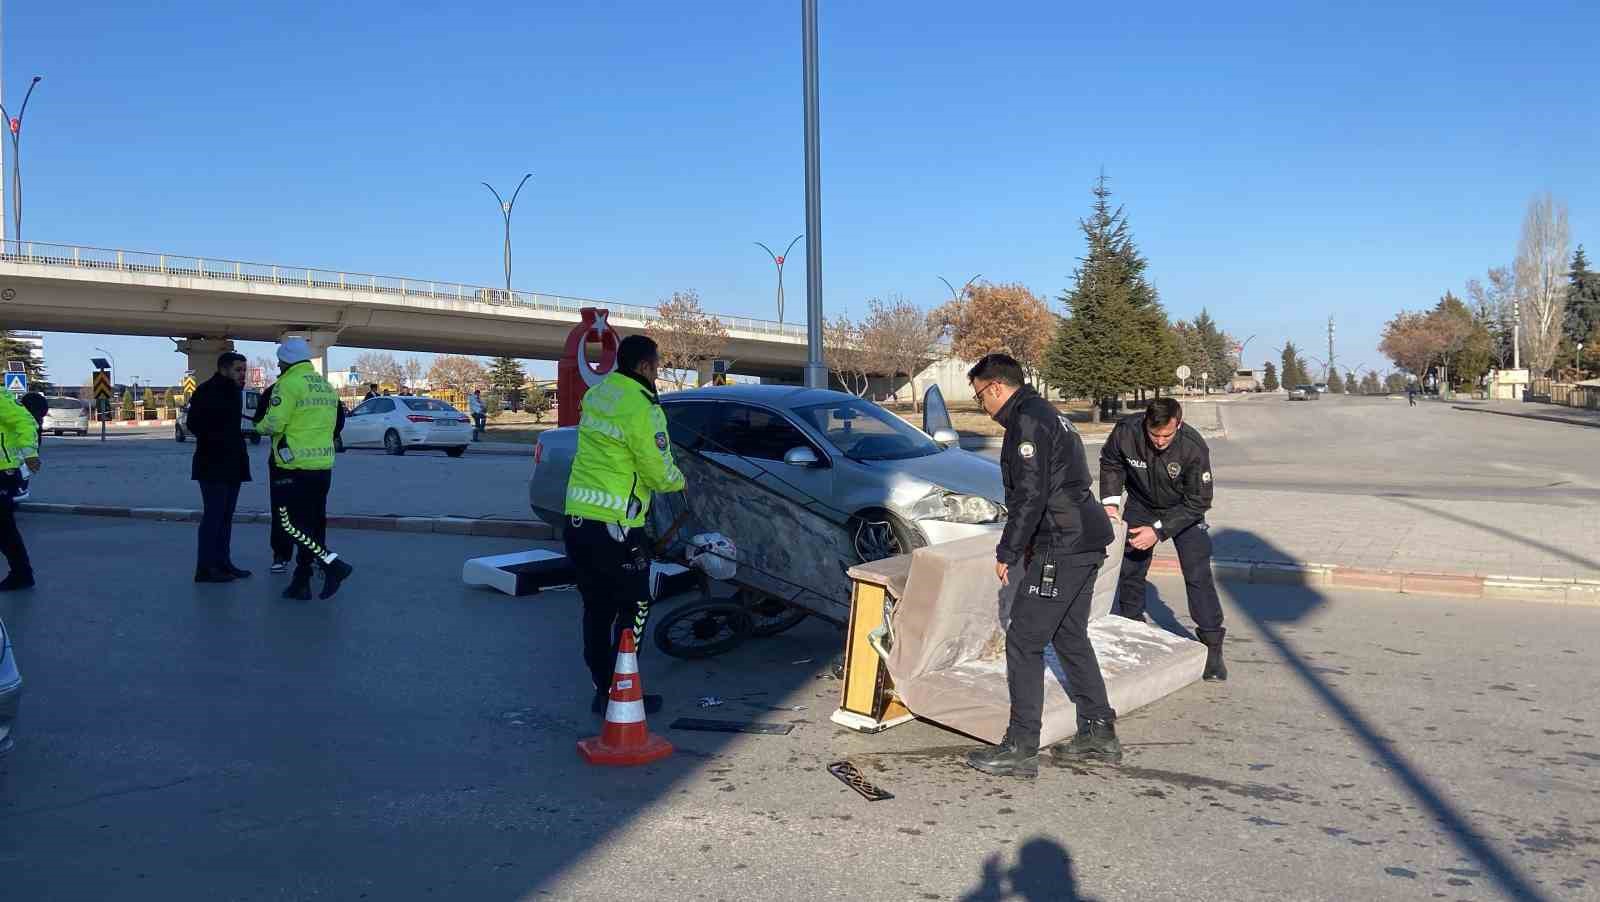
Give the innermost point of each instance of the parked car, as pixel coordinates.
(1321, 387)
(66, 415)
(401, 423)
(10, 689)
(826, 446)
(252, 399)
(1304, 393)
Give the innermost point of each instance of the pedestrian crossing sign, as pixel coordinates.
(16, 383)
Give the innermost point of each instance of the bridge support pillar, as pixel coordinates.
(203, 354)
(320, 342)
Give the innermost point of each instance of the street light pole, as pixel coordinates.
(816, 371)
(958, 295)
(15, 127)
(505, 211)
(778, 260)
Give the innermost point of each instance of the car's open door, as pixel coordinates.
(936, 417)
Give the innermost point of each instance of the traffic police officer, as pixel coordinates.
(623, 456)
(301, 419)
(1054, 542)
(19, 454)
(1164, 467)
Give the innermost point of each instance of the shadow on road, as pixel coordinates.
(1268, 614)
(1502, 533)
(1042, 873)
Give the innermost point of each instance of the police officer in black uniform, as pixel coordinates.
(1165, 467)
(1054, 542)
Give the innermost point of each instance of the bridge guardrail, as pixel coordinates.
(237, 271)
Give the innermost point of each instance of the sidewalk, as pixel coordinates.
(1549, 413)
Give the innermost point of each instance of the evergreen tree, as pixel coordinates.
(1294, 369)
(1583, 300)
(1335, 382)
(12, 348)
(1218, 353)
(1350, 386)
(1115, 337)
(506, 378)
(1269, 377)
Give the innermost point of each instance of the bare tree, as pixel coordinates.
(846, 354)
(687, 336)
(1542, 256)
(461, 374)
(1491, 305)
(899, 338)
(380, 366)
(411, 369)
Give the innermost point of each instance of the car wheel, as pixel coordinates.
(879, 534)
(456, 452)
(392, 443)
(177, 434)
(702, 630)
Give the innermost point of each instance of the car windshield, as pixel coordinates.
(429, 404)
(861, 430)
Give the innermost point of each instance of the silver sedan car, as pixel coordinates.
(845, 452)
(10, 690)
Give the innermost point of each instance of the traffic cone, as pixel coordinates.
(625, 740)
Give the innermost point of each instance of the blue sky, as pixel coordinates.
(1277, 165)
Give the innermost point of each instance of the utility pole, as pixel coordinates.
(1330, 347)
(1516, 335)
(816, 371)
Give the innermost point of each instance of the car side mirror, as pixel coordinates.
(947, 437)
(801, 457)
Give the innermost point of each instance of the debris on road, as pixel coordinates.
(852, 777)
(707, 725)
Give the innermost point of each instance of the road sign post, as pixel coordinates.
(17, 383)
(102, 398)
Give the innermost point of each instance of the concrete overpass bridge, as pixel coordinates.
(206, 303)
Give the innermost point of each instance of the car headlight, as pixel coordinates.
(953, 508)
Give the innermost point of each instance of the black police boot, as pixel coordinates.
(1011, 758)
(1095, 739)
(333, 574)
(1215, 671)
(17, 579)
(300, 587)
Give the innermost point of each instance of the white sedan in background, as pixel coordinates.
(402, 423)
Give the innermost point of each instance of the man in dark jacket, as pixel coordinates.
(1054, 542)
(1164, 467)
(220, 465)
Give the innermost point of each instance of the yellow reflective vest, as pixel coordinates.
(19, 433)
(301, 420)
(623, 454)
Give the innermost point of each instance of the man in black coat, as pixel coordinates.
(221, 465)
(1053, 544)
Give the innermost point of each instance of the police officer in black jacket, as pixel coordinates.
(1165, 468)
(1054, 542)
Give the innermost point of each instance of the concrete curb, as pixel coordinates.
(1565, 421)
(1518, 588)
(461, 526)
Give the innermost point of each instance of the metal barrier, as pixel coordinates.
(235, 271)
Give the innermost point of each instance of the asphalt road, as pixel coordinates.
(413, 739)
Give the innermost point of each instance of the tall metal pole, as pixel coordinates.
(2, 144)
(15, 127)
(816, 371)
(505, 211)
(778, 260)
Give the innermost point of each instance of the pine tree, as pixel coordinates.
(1335, 382)
(506, 378)
(12, 348)
(1350, 386)
(1294, 369)
(1269, 378)
(1583, 300)
(1115, 337)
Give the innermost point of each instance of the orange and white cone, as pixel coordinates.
(625, 740)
